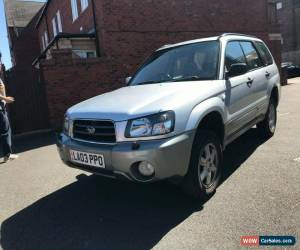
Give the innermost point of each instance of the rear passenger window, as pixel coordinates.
(234, 54)
(264, 53)
(253, 59)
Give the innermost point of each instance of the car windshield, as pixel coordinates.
(193, 62)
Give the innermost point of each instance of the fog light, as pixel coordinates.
(146, 169)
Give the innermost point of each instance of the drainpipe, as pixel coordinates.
(96, 30)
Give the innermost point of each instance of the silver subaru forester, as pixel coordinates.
(177, 114)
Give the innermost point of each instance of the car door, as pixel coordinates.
(238, 98)
(258, 74)
(270, 71)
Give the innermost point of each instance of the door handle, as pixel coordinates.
(249, 82)
(267, 74)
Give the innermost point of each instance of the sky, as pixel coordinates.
(4, 47)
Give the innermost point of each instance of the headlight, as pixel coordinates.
(66, 125)
(158, 124)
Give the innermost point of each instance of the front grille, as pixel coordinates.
(94, 131)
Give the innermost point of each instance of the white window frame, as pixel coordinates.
(74, 9)
(58, 16)
(84, 4)
(54, 27)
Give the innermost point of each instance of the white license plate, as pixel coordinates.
(94, 160)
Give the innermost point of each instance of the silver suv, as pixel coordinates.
(177, 114)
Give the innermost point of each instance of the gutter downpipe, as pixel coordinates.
(96, 30)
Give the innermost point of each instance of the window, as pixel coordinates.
(59, 21)
(85, 53)
(264, 53)
(46, 38)
(18, 30)
(234, 54)
(54, 27)
(74, 9)
(84, 4)
(90, 54)
(279, 5)
(43, 43)
(56, 24)
(252, 57)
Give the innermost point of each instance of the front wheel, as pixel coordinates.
(268, 126)
(205, 167)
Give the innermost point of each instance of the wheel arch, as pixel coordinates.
(209, 115)
(213, 121)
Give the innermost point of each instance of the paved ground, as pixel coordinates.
(45, 205)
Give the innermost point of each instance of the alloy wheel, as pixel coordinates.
(208, 165)
(272, 118)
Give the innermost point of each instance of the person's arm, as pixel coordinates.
(7, 99)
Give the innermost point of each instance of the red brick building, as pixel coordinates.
(89, 46)
(288, 14)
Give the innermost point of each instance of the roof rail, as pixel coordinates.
(235, 34)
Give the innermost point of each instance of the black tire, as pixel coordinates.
(192, 183)
(267, 127)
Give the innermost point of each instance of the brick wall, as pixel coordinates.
(291, 56)
(133, 29)
(289, 18)
(69, 81)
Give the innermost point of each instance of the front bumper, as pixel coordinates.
(170, 157)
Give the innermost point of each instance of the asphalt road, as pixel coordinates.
(45, 205)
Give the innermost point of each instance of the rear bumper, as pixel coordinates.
(170, 157)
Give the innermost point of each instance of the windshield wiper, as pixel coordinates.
(191, 78)
(150, 82)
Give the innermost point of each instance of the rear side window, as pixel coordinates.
(234, 54)
(264, 53)
(252, 57)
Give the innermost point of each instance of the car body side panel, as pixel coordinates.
(274, 81)
(239, 103)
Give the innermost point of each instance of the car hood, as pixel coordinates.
(137, 101)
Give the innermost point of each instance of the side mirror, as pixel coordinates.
(127, 80)
(237, 69)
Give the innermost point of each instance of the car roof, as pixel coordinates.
(223, 37)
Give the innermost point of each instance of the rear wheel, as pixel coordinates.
(205, 166)
(268, 126)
